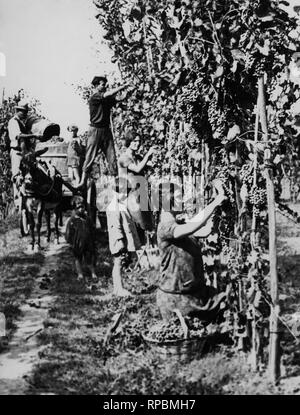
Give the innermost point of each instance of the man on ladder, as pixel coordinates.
(100, 135)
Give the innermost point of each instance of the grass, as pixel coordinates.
(11, 222)
(17, 275)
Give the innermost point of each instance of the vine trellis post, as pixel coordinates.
(274, 356)
(254, 356)
(202, 161)
(148, 48)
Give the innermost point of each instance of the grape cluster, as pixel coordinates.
(258, 198)
(255, 62)
(168, 331)
(250, 59)
(194, 323)
(280, 41)
(172, 330)
(272, 85)
(260, 67)
(226, 226)
(223, 175)
(246, 174)
(231, 256)
(189, 97)
(217, 119)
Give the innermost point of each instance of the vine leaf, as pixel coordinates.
(253, 257)
(264, 50)
(213, 238)
(126, 26)
(234, 66)
(257, 299)
(244, 193)
(233, 132)
(136, 13)
(137, 36)
(238, 55)
(198, 22)
(209, 260)
(219, 72)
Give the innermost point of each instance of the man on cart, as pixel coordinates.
(21, 142)
(100, 136)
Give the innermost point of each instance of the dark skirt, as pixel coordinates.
(79, 235)
(204, 304)
(143, 218)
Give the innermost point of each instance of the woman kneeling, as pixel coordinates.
(182, 283)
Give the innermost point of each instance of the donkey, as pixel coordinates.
(42, 192)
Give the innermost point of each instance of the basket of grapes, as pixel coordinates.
(183, 338)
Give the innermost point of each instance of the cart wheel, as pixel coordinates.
(91, 201)
(24, 227)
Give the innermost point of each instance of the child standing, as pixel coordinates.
(122, 233)
(75, 155)
(80, 235)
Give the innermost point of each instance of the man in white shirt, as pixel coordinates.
(19, 141)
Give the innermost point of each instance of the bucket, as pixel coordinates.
(42, 127)
(184, 349)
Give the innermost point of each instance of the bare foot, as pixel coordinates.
(36, 248)
(89, 288)
(94, 277)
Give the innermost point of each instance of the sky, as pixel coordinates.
(48, 46)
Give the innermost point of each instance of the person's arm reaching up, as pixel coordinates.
(205, 230)
(200, 220)
(114, 91)
(137, 168)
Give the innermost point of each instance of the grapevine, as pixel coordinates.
(210, 83)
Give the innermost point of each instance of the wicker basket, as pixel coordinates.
(184, 349)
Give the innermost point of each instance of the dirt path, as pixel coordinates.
(17, 363)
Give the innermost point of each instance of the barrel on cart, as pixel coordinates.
(42, 127)
(57, 157)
